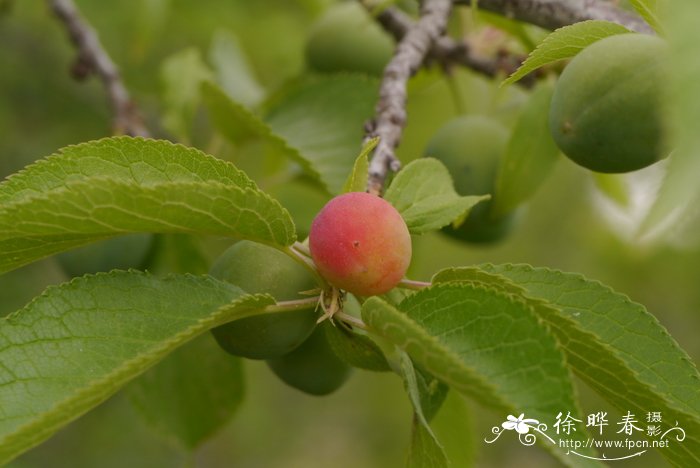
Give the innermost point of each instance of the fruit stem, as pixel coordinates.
(412, 284)
(306, 262)
(354, 321)
(301, 248)
(296, 304)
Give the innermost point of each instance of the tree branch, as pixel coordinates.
(448, 51)
(553, 14)
(391, 108)
(92, 58)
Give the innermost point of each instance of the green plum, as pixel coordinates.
(606, 112)
(471, 148)
(347, 39)
(257, 268)
(313, 367)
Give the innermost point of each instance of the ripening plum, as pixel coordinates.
(471, 148)
(606, 112)
(257, 268)
(347, 39)
(360, 243)
(313, 367)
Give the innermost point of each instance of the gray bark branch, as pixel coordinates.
(448, 51)
(92, 58)
(390, 112)
(553, 14)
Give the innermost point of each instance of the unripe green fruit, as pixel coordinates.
(120, 253)
(360, 243)
(312, 367)
(257, 268)
(471, 148)
(347, 39)
(606, 108)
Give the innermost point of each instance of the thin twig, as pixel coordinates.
(413, 284)
(391, 108)
(448, 51)
(354, 321)
(553, 14)
(92, 58)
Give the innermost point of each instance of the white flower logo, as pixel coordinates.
(522, 426)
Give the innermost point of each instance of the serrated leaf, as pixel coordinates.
(356, 350)
(564, 43)
(233, 70)
(620, 350)
(324, 121)
(648, 9)
(424, 195)
(182, 73)
(485, 343)
(138, 160)
(530, 154)
(80, 342)
(679, 195)
(357, 180)
(147, 186)
(192, 393)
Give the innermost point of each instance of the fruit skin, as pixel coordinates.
(257, 268)
(360, 243)
(606, 108)
(119, 253)
(471, 148)
(313, 367)
(347, 39)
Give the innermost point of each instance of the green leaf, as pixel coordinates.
(483, 342)
(426, 394)
(78, 343)
(425, 391)
(137, 160)
(233, 70)
(424, 451)
(356, 350)
(679, 195)
(239, 124)
(613, 186)
(324, 121)
(649, 10)
(192, 393)
(357, 180)
(620, 350)
(565, 43)
(530, 155)
(40, 216)
(182, 74)
(453, 426)
(424, 195)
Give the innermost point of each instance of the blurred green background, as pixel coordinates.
(161, 47)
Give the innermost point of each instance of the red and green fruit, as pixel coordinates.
(313, 367)
(347, 39)
(606, 112)
(360, 243)
(471, 148)
(257, 268)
